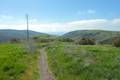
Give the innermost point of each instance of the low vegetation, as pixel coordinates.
(79, 62)
(16, 63)
(68, 58)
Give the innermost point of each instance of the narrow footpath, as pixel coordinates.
(44, 70)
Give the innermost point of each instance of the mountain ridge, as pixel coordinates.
(8, 34)
(99, 35)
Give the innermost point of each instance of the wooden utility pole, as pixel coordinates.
(27, 27)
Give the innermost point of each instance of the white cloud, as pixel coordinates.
(116, 22)
(6, 17)
(102, 24)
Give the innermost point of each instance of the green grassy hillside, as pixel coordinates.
(97, 34)
(77, 62)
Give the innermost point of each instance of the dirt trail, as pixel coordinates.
(44, 71)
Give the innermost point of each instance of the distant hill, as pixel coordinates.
(7, 34)
(99, 35)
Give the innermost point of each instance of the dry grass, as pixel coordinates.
(27, 75)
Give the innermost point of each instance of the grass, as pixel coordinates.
(16, 63)
(77, 62)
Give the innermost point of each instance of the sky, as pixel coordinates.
(60, 16)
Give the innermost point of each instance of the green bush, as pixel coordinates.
(43, 39)
(116, 42)
(86, 41)
(15, 40)
(66, 40)
(35, 37)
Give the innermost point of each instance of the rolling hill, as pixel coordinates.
(99, 35)
(7, 34)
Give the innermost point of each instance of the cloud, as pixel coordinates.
(102, 24)
(6, 17)
(116, 22)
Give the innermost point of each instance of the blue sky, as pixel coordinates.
(55, 13)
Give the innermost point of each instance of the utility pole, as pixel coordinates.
(27, 27)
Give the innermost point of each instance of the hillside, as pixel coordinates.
(99, 35)
(6, 34)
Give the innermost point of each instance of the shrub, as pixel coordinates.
(116, 41)
(86, 41)
(35, 37)
(42, 39)
(46, 40)
(66, 40)
(15, 40)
